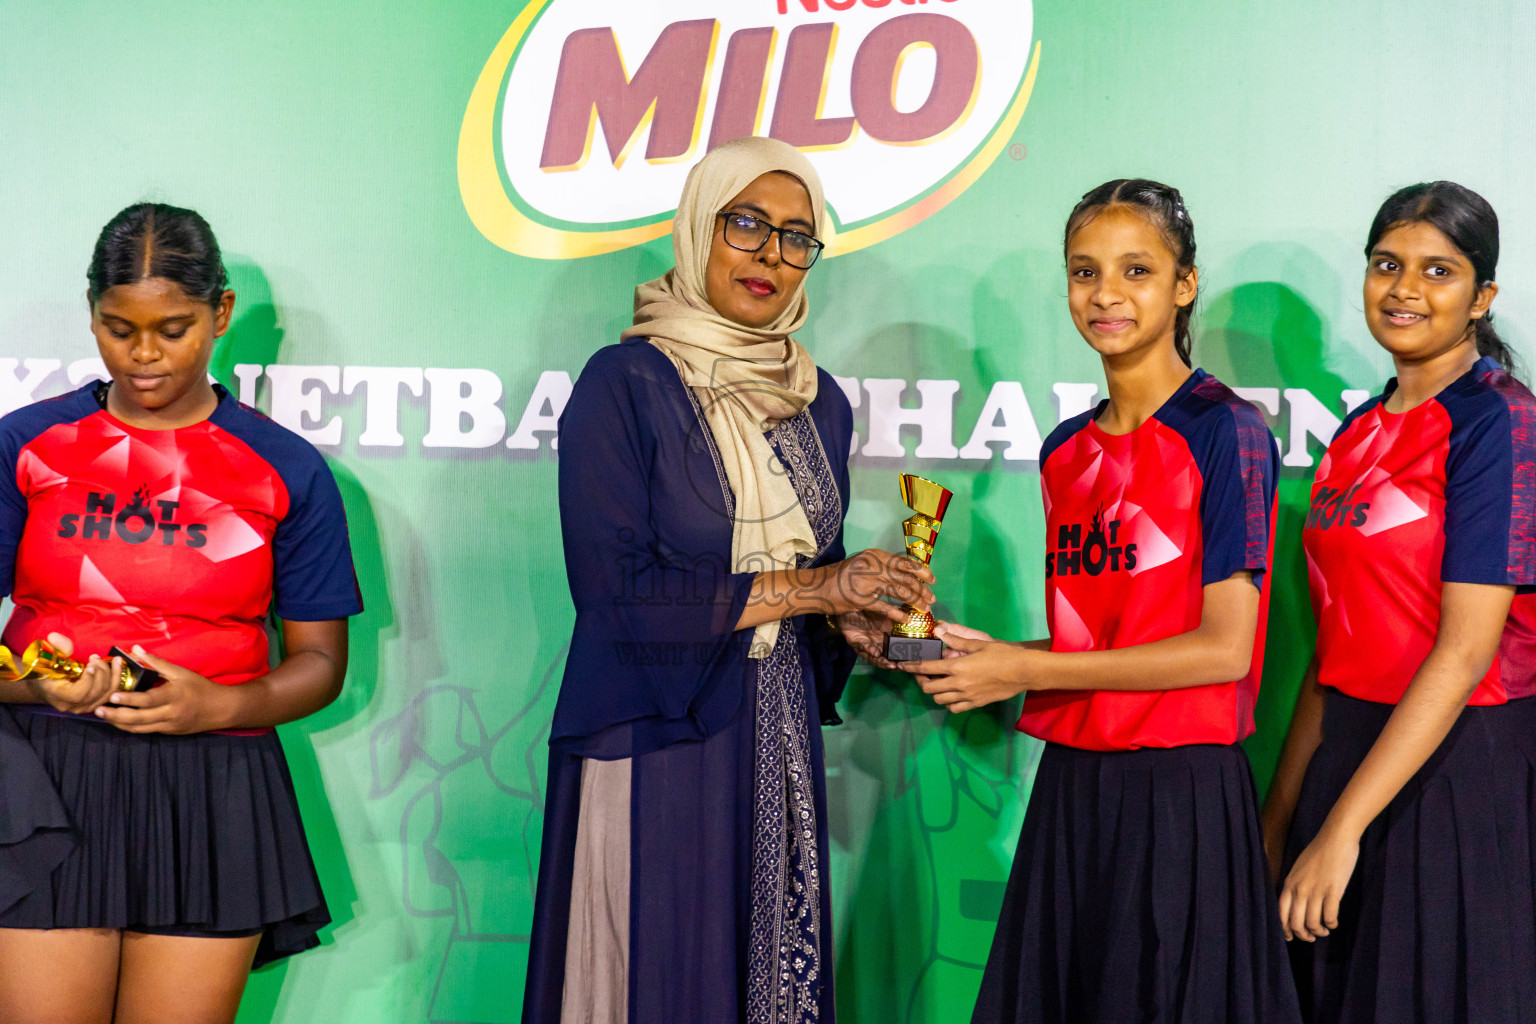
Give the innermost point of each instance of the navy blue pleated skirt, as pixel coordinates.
(1139, 894)
(1437, 925)
(162, 834)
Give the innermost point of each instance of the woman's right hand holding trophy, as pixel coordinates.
(868, 628)
(869, 582)
(870, 595)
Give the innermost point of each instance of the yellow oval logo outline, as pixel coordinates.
(499, 220)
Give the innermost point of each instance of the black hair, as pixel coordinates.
(1165, 207)
(1468, 220)
(155, 240)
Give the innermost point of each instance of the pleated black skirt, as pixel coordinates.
(1139, 896)
(1437, 925)
(171, 834)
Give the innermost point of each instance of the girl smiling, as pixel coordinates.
(1406, 783)
(1158, 513)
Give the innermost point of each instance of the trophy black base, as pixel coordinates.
(142, 676)
(913, 648)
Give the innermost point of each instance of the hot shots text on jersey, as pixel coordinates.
(135, 523)
(1092, 553)
(1335, 506)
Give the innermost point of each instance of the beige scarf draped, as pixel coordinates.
(745, 378)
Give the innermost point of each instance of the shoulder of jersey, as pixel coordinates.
(21, 425)
(1212, 396)
(1220, 414)
(1495, 392)
(1064, 431)
(267, 438)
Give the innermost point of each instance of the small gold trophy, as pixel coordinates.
(913, 640)
(42, 660)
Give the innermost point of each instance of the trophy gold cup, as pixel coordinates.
(913, 640)
(42, 660)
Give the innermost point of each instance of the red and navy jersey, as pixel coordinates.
(1405, 502)
(1136, 525)
(179, 540)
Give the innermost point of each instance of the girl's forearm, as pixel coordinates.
(1472, 620)
(1417, 727)
(1196, 658)
(19, 691)
(304, 683)
(308, 679)
(1218, 650)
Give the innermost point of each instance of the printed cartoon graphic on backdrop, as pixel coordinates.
(469, 789)
(589, 113)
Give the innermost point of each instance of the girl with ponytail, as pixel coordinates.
(1139, 890)
(1403, 814)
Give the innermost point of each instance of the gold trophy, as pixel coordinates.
(42, 660)
(913, 640)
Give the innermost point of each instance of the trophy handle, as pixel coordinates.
(921, 532)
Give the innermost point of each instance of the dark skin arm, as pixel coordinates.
(853, 592)
(1471, 622)
(1218, 650)
(308, 679)
(855, 584)
(77, 696)
(1301, 741)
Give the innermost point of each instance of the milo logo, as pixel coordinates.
(589, 113)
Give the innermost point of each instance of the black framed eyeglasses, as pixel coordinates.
(749, 233)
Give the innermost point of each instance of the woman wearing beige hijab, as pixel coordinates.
(703, 484)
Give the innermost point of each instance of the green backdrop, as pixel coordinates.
(321, 140)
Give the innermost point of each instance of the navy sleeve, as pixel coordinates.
(1237, 498)
(13, 506)
(17, 430)
(313, 579)
(612, 552)
(656, 609)
(1490, 490)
